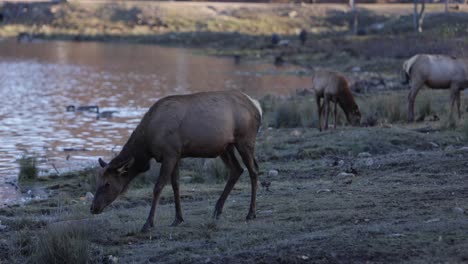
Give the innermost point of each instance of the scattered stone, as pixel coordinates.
(272, 173)
(283, 42)
(323, 190)
(369, 162)
(341, 163)
(433, 220)
(364, 155)
(113, 259)
(449, 148)
(292, 14)
(89, 196)
(356, 69)
(410, 151)
(348, 181)
(463, 149)
(343, 175)
(458, 210)
(296, 133)
(396, 235)
(435, 145)
(304, 257)
(265, 212)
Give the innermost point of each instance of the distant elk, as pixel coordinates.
(435, 72)
(333, 87)
(205, 125)
(303, 36)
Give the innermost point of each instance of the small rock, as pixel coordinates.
(364, 155)
(323, 190)
(356, 69)
(272, 173)
(292, 14)
(435, 145)
(369, 162)
(113, 259)
(341, 163)
(29, 192)
(89, 196)
(348, 181)
(343, 175)
(463, 149)
(2, 227)
(304, 257)
(432, 220)
(449, 148)
(396, 235)
(410, 151)
(296, 133)
(266, 212)
(458, 210)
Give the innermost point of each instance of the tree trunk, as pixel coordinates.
(421, 15)
(352, 5)
(415, 15)
(418, 17)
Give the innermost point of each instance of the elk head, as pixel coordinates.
(111, 181)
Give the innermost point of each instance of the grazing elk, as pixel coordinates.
(333, 86)
(435, 72)
(206, 124)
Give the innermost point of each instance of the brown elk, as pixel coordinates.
(435, 72)
(333, 87)
(206, 124)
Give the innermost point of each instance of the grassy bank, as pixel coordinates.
(245, 29)
(402, 199)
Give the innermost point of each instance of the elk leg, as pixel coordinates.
(454, 98)
(175, 188)
(246, 151)
(235, 171)
(458, 104)
(416, 85)
(319, 111)
(335, 115)
(167, 166)
(326, 105)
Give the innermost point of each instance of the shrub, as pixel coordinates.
(209, 169)
(63, 244)
(287, 115)
(28, 168)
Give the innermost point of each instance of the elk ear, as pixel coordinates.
(102, 163)
(126, 165)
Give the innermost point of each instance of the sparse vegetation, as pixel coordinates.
(63, 243)
(28, 168)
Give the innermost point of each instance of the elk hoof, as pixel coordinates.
(216, 214)
(250, 216)
(177, 221)
(146, 227)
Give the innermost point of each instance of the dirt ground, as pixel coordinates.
(404, 199)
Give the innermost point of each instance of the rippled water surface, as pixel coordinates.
(39, 80)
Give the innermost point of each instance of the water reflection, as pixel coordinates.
(39, 80)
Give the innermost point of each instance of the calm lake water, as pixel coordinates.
(39, 80)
